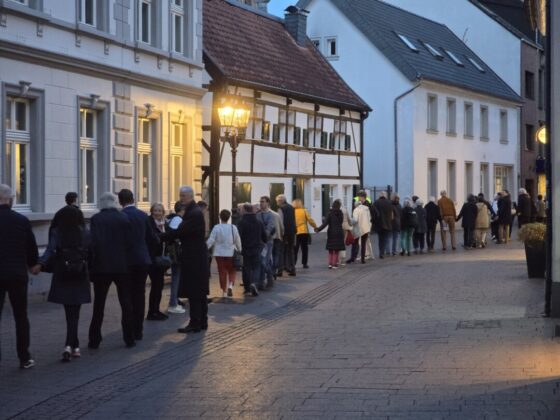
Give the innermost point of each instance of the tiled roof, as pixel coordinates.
(254, 49)
(381, 22)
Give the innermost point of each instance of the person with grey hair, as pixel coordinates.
(253, 239)
(195, 271)
(111, 246)
(524, 208)
(288, 216)
(18, 253)
(448, 214)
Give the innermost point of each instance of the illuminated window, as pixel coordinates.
(17, 149)
(88, 156)
(144, 146)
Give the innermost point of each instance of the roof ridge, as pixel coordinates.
(251, 9)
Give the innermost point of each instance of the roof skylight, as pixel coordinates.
(454, 58)
(408, 42)
(433, 51)
(478, 66)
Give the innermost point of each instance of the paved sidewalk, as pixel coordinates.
(454, 335)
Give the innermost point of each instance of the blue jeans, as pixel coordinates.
(394, 242)
(251, 271)
(277, 248)
(266, 266)
(175, 276)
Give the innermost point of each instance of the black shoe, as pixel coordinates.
(189, 329)
(402, 253)
(130, 344)
(350, 261)
(230, 292)
(363, 261)
(254, 290)
(67, 354)
(292, 273)
(381, 256)
(305, 266)
(279, 274)
(204, 327)
(156, 316)
(94, 345)
(138, 336)
(408, 253)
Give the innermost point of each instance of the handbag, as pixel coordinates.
(349, 239)
(237, 256)
(163, 261)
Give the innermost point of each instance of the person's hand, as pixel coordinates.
(316, 230)
(36, 269)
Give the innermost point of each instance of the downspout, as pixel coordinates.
(363, 116)
(395, 130)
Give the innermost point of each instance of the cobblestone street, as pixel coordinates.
(456, 335)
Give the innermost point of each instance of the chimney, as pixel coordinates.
(295, 20)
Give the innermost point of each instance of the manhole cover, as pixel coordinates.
(479, 324)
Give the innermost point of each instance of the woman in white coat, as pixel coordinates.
(225, 240)
(362, 226)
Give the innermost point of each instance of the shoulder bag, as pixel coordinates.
(237, 257)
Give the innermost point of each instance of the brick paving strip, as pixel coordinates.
(80, 400)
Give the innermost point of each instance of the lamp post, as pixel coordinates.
(234, 117)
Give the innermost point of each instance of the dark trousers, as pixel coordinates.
(72, 320)
(383, 237)
(288, 254)
(156, 278)
(138, 277)
(277, 255)
(431, 236)
(16, 289)
(198, 312)
(468, 236)
(302, 241)
(494, 227)
(360, 243)
(418, 240)
(101, 284)
(251, 271)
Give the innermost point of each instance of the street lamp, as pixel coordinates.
(234, 117)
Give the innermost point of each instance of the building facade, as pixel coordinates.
(515, 54)
(443, 119)
(304, 137)
(99, 95)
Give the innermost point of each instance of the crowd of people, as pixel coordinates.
(124, 245)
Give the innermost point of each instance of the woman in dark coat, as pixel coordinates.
(156, 272)
(195, 270)
(421, 228)
(396, 224)
(335, 234)
(433, 217)
(468, 213)
(67, 253)
(409, 222)
(505, 218)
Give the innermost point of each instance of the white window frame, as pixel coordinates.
(139, 23)
(329, 40)
(317, 43)
(502, 172)
(432, 113)
(83, 13)
(451, 121)
(12, 140)
(455, 58)
(177, 11)
(476, 65)
(433, 51)
(452, 179)
(484, 122)
(504, 123)
(144, 149)
(468, 131)
(176, 151)
(408, 42)
(88, 144)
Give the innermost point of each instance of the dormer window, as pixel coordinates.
(476, 65)
(332, 47)
(433, 51)
(407, 42)
(454, 58)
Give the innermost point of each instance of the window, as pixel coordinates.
(145, 17)
(432, 113)
(503, 126)
(432, 178)
(484, 178)
(332, 47)
(314, 129)
(469, 123)
(297, 136)
(286, 123)
(451, 180)
(324, 140)
(178, 26)
(87, 12)
(502, 178)
(17, 149)
(469, 188)
(541, 89)
(454, 58)
(476, 65)
(339, 135)
(24, 2)
(529, 85)
(177, 159)
(317, 43)
(348, 142)
(484, 122)
(529, 137)
(244, 192)
(433, 51)
(408, 43)
(144, 160)
(265, 133)
(451, 116)
(88, 156)
(275, 133)
(275, 189)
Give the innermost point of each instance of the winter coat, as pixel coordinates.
(225, 239)
(143, 235)
(195, 270)
(524, 208)
(156, 249)
(482, 217)
(63, 290)
(504, 211)
(468, 213)
(362, 221)
(447, 207)
(422, 226)
(347, 220)
(302, 220)
(111, 242)
(18, 248)
(541, 209)
(397, 214)
(253, 236)
(386, 214)
(335, 233)
(409, 218)
(288, 216)
(433, 215)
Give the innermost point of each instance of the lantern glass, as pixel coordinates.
(242, 117)
(226, 114)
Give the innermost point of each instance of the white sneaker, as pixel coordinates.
(175, 310)
(224, 295)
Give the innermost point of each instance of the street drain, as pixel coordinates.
(479, 324)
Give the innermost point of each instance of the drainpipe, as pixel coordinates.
(395, 104)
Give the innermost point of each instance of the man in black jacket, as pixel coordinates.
(288, 215)
(253, 239)
(111, 244)
(18, 253)
(433, 217)
(384, 224)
